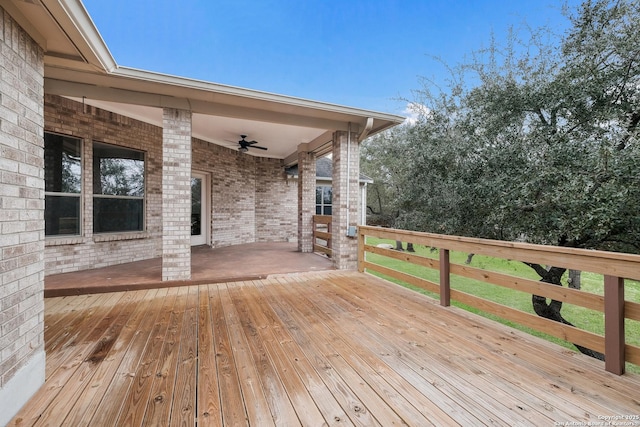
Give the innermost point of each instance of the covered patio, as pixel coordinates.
(251, 261)
(319, 348)
(104, 165)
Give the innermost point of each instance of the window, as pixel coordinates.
(63, 184)
(323, 199)
(118, 189)
(196, 206)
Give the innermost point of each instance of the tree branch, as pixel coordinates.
(540, 270)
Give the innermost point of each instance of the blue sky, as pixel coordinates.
(361, 53)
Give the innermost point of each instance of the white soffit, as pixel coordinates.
(279, 139)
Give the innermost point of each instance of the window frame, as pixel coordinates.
(79, 195)
(142, 198)
(322, 205)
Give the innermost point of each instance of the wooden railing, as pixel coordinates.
(322, 234)
(616, 267)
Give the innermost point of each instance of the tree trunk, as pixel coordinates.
(399, 246)
(410, 247)
(469, 258)
(551, 310)
(574, 279)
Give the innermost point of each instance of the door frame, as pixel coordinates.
(205, 208)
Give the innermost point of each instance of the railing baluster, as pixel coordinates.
(614, 324)
(445, 281)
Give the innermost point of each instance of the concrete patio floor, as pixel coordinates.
(250, 261)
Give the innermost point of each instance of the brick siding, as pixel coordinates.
(64, 254)
(276, 202)
(21, 199)
(306, 200)
(176, 194)
(251, 198)
(345, 249)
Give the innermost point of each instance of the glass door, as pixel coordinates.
(199, 205)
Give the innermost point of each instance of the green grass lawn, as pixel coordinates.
(582, 318)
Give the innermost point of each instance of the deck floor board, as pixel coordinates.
(324, 348)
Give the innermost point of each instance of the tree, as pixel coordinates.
(542, 148)
(119, 176)
(382, 158)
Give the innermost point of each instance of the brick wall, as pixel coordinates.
(346, 162)
(64, 254)
(232, 184)
(276, 202)
(21, 217)
(251, 199)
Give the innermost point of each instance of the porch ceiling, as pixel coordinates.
(78, 65)
(280, 139)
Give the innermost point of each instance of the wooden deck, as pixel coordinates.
(329, 348)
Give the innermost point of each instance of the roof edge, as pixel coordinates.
(93, 43)
(152, 76)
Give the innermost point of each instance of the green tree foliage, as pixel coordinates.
(121, 177)
(383, 157)
(543, 147)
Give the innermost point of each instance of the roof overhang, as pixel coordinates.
(78, 65)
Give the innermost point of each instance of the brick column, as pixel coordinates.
(176, 194)
(346, 170)
(22, 357)
(306, 199)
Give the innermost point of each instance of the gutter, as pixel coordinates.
(366, 130)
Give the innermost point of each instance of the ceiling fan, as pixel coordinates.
(245, 145)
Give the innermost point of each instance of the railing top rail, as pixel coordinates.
(322, 219)
(603, 262)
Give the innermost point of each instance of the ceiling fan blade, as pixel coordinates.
(258, 147)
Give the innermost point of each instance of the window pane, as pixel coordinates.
(327, 195)
(117, 171)
(327, 210)
(318, 210)
(318, 195)
(62, 164)
(112, 214)
(196, 206)
(61, 215)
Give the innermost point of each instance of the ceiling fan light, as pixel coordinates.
(243, 149)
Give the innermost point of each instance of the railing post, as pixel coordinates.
(614, 324)
(361, 254)
(445, 283)
(314, 227)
